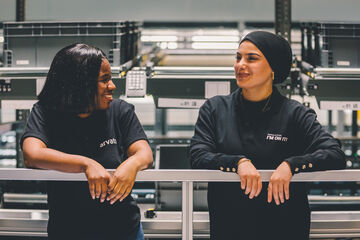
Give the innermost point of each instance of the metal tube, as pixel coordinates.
(340, 123)
(187, 210)
(348, 175)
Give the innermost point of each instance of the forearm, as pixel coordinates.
(139, 161)
(46, 158)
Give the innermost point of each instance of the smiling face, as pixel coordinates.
(105, 86)
(252, 70)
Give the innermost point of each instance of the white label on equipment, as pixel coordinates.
(343, 63)
(216, 88)
(340, 105)
(1, 39)
(17, 104)
(180, 103)
(40, 82)
(22, 62)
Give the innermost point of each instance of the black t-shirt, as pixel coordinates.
(103, 136)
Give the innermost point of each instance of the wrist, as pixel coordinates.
(286, 163)
(131, 163)
(241, 161)
(85, 163)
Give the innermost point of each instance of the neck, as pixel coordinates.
(256, 95)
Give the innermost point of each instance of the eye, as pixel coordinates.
(252, 58)
(105, 80)
(238, 58)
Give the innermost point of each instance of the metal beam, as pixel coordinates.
(20, 10)
(283, 18)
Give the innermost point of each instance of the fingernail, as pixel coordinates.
(107, 199)
(93, 197)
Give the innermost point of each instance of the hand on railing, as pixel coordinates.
(250, 178)
(279, 184)
(121, 182)
(98, 178)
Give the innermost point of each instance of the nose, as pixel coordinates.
(239, 65)
(111, 86)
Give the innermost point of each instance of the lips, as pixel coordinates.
(108, 96)
(242, 75)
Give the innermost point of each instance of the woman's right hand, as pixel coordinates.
(98, 179)
(250, 179)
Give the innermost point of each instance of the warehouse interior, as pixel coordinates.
(167, 58)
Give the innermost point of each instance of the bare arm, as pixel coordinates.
(140, 157)
(38, 155)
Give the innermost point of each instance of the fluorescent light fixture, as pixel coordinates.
(159, 38)
(214, 45)
(215, 38)
(172, 45)
(163, 45)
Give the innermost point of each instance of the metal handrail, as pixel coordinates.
(179, 175)
(187, 177)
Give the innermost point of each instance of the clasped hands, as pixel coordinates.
(109, 187)
(278, 188)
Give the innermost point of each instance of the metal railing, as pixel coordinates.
(187, 177)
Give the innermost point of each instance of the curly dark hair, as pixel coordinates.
(71, 83)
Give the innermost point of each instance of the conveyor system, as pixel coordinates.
(171, 87)
(189, 83)
(336, 88)
(185, 224)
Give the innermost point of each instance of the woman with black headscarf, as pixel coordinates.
(253, 128)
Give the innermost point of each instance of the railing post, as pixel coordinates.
(187, 210)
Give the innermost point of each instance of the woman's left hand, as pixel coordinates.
(279, 183)
(121, 182)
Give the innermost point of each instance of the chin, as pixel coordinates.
(104, 106)
(241, 84)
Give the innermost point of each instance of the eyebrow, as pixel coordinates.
(105, 75)
(249, 54)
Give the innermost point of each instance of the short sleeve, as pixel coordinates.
(130, 126)
(36, 126)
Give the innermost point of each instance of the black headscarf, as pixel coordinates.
(276, 50)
